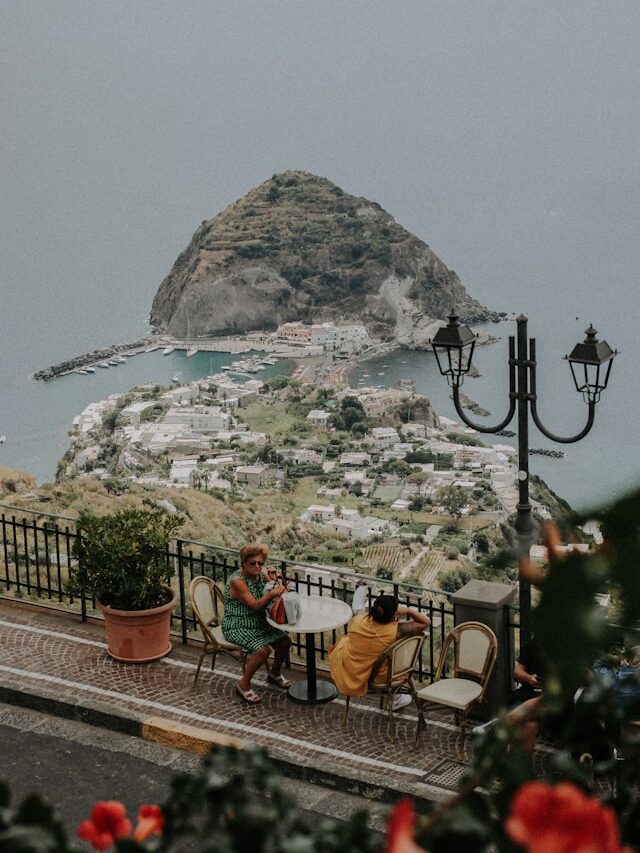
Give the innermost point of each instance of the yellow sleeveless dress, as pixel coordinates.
(353, 656)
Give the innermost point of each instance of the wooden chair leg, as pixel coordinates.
(421, 724)
(392, 729)
(345, 713)
(213, 659)
(197, 675)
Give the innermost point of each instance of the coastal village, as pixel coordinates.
(373, 480)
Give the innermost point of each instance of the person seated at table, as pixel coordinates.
(244, 622)
(352, 658)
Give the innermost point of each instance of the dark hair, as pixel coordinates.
(383, 608)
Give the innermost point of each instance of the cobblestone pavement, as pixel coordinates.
(56, 656)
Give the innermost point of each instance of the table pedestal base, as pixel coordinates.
(300, 692)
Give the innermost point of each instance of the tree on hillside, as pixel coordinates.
(351, 412)
(453, 499)
(454, 579)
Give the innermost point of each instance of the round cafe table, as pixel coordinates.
(319, 614)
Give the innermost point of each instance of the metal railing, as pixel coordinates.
(37, 549)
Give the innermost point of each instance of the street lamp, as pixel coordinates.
(590, 363)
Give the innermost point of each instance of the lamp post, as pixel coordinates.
(590, 363)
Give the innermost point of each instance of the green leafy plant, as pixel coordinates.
(122, 558)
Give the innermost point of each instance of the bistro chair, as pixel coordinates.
(401, 659)
(207, 603)
(475, 649)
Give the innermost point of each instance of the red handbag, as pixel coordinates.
(278, 613)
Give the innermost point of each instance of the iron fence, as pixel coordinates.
(38, 549)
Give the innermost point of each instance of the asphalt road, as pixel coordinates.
(73, 765)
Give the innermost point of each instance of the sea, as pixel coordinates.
(36, 416)
(39, 328)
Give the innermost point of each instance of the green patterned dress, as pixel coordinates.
(243, 626)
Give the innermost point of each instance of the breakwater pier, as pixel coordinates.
(96, 357)
(88, 361)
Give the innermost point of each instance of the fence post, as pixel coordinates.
(486, 602)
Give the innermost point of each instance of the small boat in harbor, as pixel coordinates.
(80, 370)
(112, 362)
(191, 351)
(120, 359)
(3, 438)
(103, 364)
(168, 350)
(90, 369)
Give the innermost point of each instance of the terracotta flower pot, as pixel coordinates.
(139, 636)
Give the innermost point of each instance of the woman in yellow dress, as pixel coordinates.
(370, 634)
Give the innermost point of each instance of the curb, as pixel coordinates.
(182, 736)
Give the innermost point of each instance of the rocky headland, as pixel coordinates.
(298, 247)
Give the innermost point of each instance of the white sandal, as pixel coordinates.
(279, 681)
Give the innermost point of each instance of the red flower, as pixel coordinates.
(150, 822)
(562, 819)
(400, 829)
(108, 822)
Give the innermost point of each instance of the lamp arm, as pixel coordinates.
(559, 438)
(479, 427)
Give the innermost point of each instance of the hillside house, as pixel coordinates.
(131, 414)
(319, 513)
(252, 475)
(299, 455)
(398, 451)
(384, 436)
(208, 419)
(413, 429)
(318, 418)
(182, 469)
(375, 401)
(355, 458)
(360, 527)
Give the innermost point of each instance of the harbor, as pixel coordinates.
(87, 363)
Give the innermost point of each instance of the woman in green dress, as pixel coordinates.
(244, 622)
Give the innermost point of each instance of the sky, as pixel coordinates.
(503, 133)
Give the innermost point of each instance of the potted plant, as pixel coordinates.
(122, 562)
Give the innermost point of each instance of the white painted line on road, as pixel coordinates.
(49, 633)
(212, 721)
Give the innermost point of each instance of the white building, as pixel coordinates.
(384, 436)
(299, 455)
(355, 458)
(199, 418)
(131, 414)
(181, 470)
(319, 513)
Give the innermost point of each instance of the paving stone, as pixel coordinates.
(48, 657)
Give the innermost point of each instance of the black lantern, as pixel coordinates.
(453, 346)
(590, 363)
